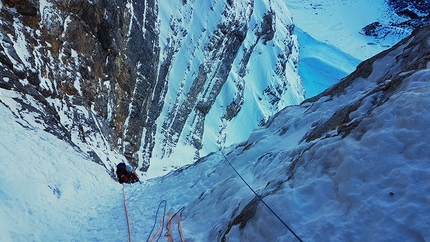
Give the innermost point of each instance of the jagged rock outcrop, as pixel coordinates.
(140, 79)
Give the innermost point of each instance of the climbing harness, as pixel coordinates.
(170, 217)
(261, 199)
(126, 214)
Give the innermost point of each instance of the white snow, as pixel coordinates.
(45, 193)
(321, 65)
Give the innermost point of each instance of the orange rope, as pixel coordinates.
(169, 225)
(180, 227)
(158, 230)
(126, 215)
(168, 234)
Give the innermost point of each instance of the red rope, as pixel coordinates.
(170, 217)
(126, 215)
(169, 225)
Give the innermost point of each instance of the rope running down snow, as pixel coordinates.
(261, 199)
(126, 215)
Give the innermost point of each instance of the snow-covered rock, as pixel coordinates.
(145, 79)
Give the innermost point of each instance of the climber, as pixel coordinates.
(126, 174)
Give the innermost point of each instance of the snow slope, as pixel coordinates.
(369, 186)
(154, 77)
(49, 190)
(249, 95)
(321, 65)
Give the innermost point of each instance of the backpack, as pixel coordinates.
(121, 166)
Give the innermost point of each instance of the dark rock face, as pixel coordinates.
(82, 57)
(411, 8)
(24, 7)
(100, 78)
(416, 14)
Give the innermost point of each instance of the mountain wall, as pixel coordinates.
(144, 79)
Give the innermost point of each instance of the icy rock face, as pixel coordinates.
(141, 78)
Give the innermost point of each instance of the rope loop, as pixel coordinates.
(169, 224)
(170, 217)
(155, 221)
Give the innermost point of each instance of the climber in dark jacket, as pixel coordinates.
(126, 174)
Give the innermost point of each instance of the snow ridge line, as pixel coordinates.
(261, 199)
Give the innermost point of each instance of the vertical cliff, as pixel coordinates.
(148, 79)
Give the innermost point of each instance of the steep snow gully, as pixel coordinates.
(349, 164)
